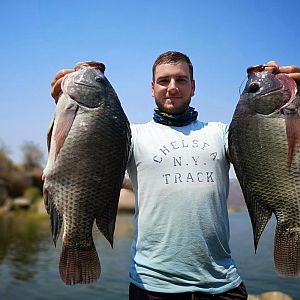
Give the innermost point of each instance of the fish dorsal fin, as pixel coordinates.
(64, 118)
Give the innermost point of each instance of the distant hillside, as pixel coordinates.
(235, 197)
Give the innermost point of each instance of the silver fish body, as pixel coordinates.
(88, 143)
(264, 148)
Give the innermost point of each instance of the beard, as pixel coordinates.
(173, 109)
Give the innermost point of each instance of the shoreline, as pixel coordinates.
(126, 204)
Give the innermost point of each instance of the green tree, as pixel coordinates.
(4, 149)
(12, 177)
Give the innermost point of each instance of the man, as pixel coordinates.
(179, 172)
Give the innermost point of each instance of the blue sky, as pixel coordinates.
(222, 38)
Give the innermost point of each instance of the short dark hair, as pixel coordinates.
(172, 57)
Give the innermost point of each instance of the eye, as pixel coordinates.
(99, 78)
(163, 81)
(253, 87)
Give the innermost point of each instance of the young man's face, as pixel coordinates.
(172, 87)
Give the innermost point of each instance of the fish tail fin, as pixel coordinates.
(79, 264)
(287, 251)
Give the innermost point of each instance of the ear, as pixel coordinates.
(152, 89)
(193, 88)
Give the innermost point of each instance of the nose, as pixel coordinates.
(172, 85)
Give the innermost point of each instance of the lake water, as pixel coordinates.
(29, 261)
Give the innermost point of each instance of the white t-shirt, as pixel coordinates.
(181, 236)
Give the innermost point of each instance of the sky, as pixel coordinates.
(222, 38)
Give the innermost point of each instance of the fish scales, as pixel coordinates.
(260, 149)
(83, 177)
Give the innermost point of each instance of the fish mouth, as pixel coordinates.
(84, 84)
(272, 101)
(268, 93)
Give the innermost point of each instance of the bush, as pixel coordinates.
(33, 193)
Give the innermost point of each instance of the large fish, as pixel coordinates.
(264, 147)
(88, 142)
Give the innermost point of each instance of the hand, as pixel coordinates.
(273, 67)
(292, 71)
(56, 83)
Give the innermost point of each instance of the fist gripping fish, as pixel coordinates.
(88, 144)
(264, 146)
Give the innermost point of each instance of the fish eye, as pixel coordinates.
(253, 87)
(98, 78)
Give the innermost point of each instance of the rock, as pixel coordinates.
(270, 296)
(274, 296)
(21, 202)
(7, 205)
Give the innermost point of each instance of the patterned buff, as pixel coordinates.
(175, 120)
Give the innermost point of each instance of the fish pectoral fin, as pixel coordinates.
(292, 124)
(287, 251)
(64, 119)
(259, 216)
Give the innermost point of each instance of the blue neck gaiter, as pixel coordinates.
(177, 120)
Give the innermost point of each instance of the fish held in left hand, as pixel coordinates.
(264, 147)
(88, 143)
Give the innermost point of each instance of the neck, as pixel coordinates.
(177, 120)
